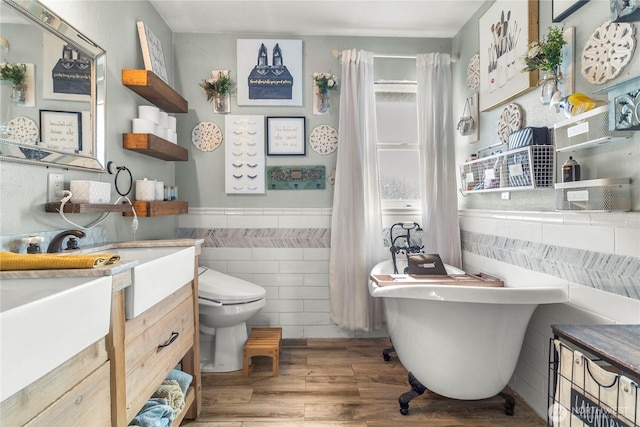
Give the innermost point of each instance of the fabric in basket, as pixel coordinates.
(529, 136)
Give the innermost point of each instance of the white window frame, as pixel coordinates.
(391, 208)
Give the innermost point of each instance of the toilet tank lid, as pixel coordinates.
(227, 289)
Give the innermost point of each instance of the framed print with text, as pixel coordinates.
(286, 136)
(61, 130)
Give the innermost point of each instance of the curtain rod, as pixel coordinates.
(336, 54)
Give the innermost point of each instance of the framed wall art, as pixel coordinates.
(561, 9)
(69, 68)
(286, 136)
(296, 178)
(152, 52)
(61, 130)
(505, 30)
(269, 72)
(244, 154)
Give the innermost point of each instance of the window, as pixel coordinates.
(398, 155)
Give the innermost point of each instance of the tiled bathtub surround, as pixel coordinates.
(596, 254)
(618, 274)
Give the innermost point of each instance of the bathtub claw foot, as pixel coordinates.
(385, 353)
(416, 390)
(510, 402)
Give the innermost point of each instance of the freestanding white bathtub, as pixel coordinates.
(461, 342)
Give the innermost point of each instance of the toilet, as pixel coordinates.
(225, 304)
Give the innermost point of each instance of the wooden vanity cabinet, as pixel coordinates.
(145, 349)
(75, 393)
(108, 383)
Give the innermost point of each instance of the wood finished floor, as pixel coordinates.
(335, 383)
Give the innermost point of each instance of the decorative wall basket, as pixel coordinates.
(469, 123)
(466, 124)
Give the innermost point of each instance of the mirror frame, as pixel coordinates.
(34, 154)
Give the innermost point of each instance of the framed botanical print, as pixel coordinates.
(505, 30)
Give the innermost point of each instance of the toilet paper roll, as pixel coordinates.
(142, 126)
(145, 190)
(160, 131)
(149, 112)
(173, 136)
(164, 119)
(171, 122)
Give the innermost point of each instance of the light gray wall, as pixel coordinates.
(201, 179)
(614, 160)
(112, 25)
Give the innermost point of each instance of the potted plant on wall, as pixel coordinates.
(324, 83)
(16, 74)
(546, 55)
(218, 88)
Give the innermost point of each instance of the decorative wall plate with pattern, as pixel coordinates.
(608, 50)
(323, 139)
(473, 72)
(23, 129)
(510, 121)
(206, 136)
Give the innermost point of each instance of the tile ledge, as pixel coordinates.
(631, 219)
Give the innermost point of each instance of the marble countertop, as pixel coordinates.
(108, 270)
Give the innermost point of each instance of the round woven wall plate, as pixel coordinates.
(608, 50)
(473, 72)
(206, 136)
(23, 129)
(510, 121)
(323, 139)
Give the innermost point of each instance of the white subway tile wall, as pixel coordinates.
(287, 252)
(527, 248)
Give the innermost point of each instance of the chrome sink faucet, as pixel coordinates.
(56, 243)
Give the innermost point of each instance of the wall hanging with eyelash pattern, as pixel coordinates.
(244, 155)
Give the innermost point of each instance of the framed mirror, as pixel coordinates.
(57, 116)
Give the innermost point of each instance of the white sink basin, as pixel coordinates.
(160, 272)
(46, 321)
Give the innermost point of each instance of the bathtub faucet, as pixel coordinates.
(408, 248)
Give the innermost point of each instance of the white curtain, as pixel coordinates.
(356, 224)
(437, 158)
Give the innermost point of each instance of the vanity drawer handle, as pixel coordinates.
(174, 336)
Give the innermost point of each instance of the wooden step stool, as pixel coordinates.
(262, 342)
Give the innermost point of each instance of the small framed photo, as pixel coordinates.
(61, 130)
(286, 136)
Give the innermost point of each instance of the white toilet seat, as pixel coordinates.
(226, 303)
(219, 288)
